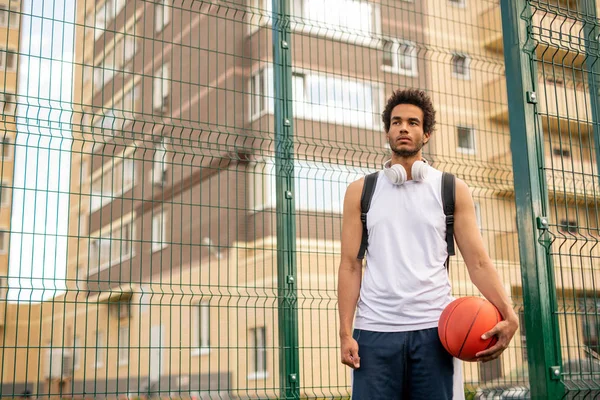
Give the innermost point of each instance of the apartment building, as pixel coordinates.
(172, 264)
(11, 319)
(564, 117)
(9, 37)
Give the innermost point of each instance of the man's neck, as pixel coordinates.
(406, 162)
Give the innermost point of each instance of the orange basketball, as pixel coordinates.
(463, 322)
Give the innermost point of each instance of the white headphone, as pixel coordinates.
(397, 174)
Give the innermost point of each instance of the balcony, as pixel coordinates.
(562, 107)
(558, 39)
(568, 180)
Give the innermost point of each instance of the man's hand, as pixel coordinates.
(504, 331)
(350, 352)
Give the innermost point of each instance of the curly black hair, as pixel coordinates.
(410, 96)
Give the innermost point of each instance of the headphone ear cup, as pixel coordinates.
(396, 174)
(419, 170)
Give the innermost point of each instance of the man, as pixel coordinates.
(394, 348)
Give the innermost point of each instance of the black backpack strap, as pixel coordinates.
(365, 204)
(448, 198)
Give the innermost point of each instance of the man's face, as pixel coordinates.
(406, 136)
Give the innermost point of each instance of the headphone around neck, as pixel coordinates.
(396, 173)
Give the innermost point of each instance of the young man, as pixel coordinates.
(394, 348)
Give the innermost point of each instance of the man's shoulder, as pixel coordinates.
(355, 188)
(357, 185)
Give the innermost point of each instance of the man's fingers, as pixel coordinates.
(497, 347)
(351, 359)
(350, 353)
(493, 352)
(492, 332)
(489, 358)
(354, 358)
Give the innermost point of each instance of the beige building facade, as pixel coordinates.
(11, 318)
(172, 254)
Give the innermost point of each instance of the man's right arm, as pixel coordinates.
(350, 272)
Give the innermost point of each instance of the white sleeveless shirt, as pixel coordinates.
(405, 285)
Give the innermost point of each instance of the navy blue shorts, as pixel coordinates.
(402, 365)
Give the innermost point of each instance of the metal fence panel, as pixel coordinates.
(174, 173)
(557, 48)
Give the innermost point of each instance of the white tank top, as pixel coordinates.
(405, 285)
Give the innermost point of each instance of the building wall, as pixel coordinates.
(219, 242)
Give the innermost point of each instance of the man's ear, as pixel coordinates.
(427, 137)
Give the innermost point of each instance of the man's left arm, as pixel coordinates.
(482, 271)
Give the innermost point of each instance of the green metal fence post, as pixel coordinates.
(539, 295)
(286, 218)
(592, 35)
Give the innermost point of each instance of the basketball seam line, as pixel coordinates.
(461, 300)
(471, 327)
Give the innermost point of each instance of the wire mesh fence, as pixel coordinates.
(173, 174)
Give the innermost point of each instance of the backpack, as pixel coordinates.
(448, 198)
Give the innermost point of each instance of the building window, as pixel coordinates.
(459, 3)
(460, 66)
(117, 58)
(400, 57)
(8, 103)
(259, 14)
(100, 347)
(201, 328)
(5, 191)
(3, 242)
(115, 118)
(490, 370)
(128, 47)
(259, 347)
(159, 167)
(555, 80)
(354, 17)
(77, 349)
(106, 70)
(345, 20)
(320, 97)
(128, 103)
(104, 15)
(8, 60)
(111, 247)
(159, 231)
(124, 345)
(105, 124)
(9, 18)
(162, 88)
(162, 14)
(568, 226)
(465, 139)
(340, 101)
(112, 182)
(523, 335)
(7, 148)
(298, 87)
(261, 96)
(314, 193)
(590, 322)
(558, 152)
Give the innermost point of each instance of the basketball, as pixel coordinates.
(463, 322)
